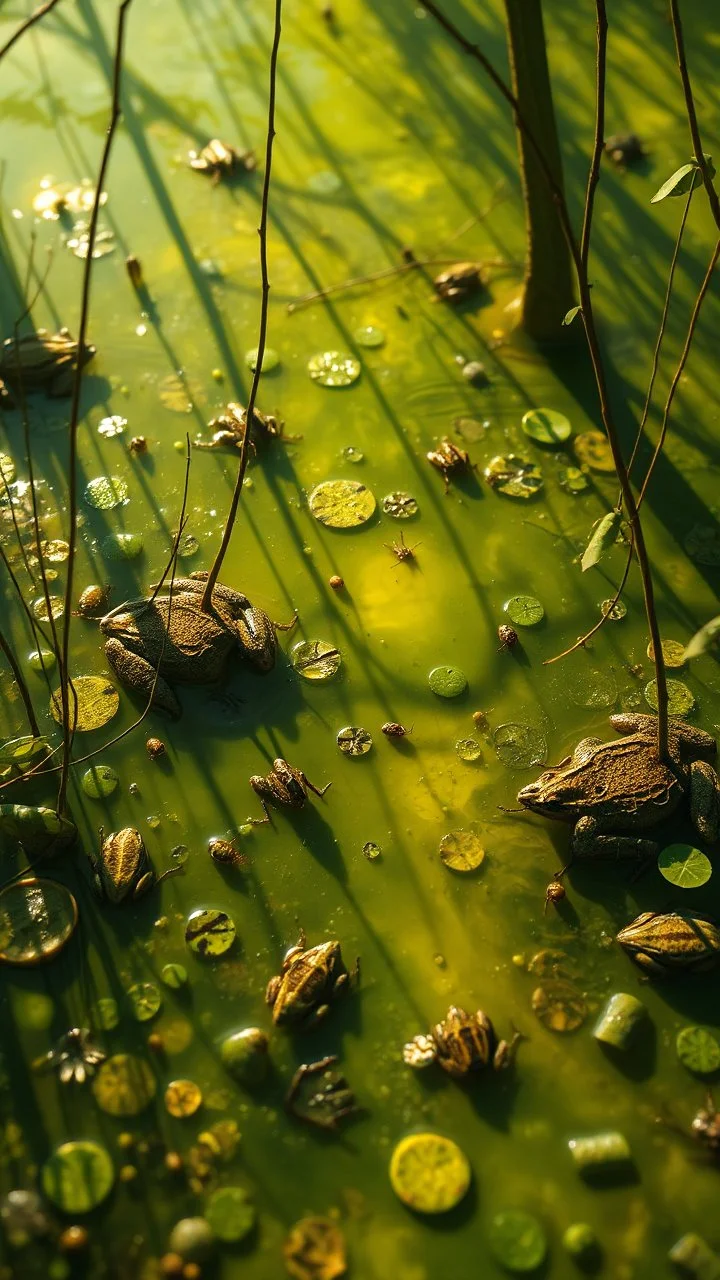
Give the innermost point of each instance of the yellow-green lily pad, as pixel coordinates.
(342, 504)
(517, 1240)
(210, 933)
(124, 1085)
(698, 1050)
(231, 1214)
(680, 700)
(546, 426)
(519, 746)
(99, 781)
(105, 492)
(524, 611)
(461, 851)
(673, 653)
(593, 451)
(315, 659)
(97, 702)
(429, 1173)
(145, 999)
(333, 368)
(37, 919)
(685, 867)
(514, 476)
(78, 1176)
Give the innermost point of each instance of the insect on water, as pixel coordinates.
(401, 550)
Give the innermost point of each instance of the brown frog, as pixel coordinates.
(284, 786)
(122, 868)
(625, 149)
(462, 1044)
(229, 429)
(156, 642)
(607, 789)
(42, 361)
(448, 458)
(220, 160)
(307, 983)
(673, 941)
(459, 281)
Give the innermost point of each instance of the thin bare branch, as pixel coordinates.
(25, 26)
(582, 641)
(598, 143)
(262, 232)
(20, 682)
(700, 160)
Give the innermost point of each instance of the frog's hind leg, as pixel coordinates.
(705, 800)
(590, 841)
(285, 626)
(318, 791)
(138, 675)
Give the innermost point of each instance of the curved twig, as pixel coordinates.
(25, 26)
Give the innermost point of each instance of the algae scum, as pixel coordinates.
(144, 1081)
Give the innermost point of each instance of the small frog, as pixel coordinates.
(122, 867)
(220, 160)
(625, 149)
(284, 786)
(229, 429)
(608, 789)
(462, 1044)
(662, 943)
(308, 981)
(458, 282)
(42, 361)
(447, 457)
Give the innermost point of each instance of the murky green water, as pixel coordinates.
(385, 138)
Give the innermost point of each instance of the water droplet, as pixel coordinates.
(468, 749)
(351, 454)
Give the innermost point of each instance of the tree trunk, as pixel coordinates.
(549, 283)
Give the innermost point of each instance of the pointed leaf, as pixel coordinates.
(604, 535)
(571, 314)
(679, 183)
(703, 639)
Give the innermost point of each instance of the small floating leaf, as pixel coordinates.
(114, 425)
(524, 611)
(613, 610)
(573, 479)
(519, 746)
(571, 314)
(122, 546)
(593, 450)
(99, 781)
(354, 741)
(56, 551)
(210, 933)
(145, 999)
(124, 1085)
(517, 1240)
(37, 919)
(105, 492)
(447, 682)
(41, 660)
(559, 1005)
(369, 336)
(40, 608)
(680, 700)
(315, 659)
(461, 851)
(315, 1250)
(38, 830)
(400, 505)
(429, 1173)
(698, 1050)
(97, 702)
(333, 369)
(231, 1214)
(514, 476)
(342, 504)
(20, 755)
(673, 653)
(703, 639)
(182, 1098)
(270, 360)
(77, 1176)
(602, 538)
(468, 749)
(547, 426)
(684, 866)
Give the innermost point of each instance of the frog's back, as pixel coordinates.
(625, 778)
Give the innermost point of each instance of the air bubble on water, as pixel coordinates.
(153, 821)
(351, 454)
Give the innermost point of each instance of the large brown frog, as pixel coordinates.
(609, 788)
(42, 361)
(170, 640)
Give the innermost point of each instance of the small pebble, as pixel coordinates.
(73, 1239)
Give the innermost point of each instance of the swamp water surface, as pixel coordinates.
(385, 137)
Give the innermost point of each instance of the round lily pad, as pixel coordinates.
(354, 741)
(573, 479)
(315, 659)
(270, 360)
(244, 1054)
(333, 368)
(7, 468)
(41, 660)
(683, 866)
(210, 933)
(99, 781)
(145, 999)
(520, 746)
(77, 1176)
(546, 426)
(447, 682)
(517, 1240)
(231, 1214)
(680, 700)
(613, 610)
(461, 851)
(524, 611)
(673, 653)
(124, 1085)
(468, 749)
(41, 610)
(368, 335)
(122, 546)
(342, 504)
(559, 1005)
(182, 1099)
(56, 551)
(315, 1250)
(97, 702)
(400, 505)
(429, 1173)
(592, 450)
(592, 689)
(698, 1050)
(105, 492)
(174, 976)
(514, 476)
(37, 919)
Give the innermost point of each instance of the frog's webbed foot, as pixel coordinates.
(589, 841)
(138, 675)
(318, 791)
(705, 800)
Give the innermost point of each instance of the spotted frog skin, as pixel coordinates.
(675, 941)
(307, 983)
(608, 789)
(122, 868)
(196, 644)
(466, 1043)
(284, 786)
(42, 361)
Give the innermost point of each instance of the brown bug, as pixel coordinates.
(447, 458)
(93, 601)
(401, 550)
(392, 729)
(336, 582)
(138, 444)
(507, 637)
(554, 893)
(225, 853)
(155, 747)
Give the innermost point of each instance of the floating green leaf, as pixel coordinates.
(703, 639)
(99, 781)
(333, 368)
(603, 537)
(698, 1050)
(38, 830)
(571, 314)
(97, 702)
(105, 492)
(231, 1214)
(520, 745)
(315, 659)
(429, 1173)
(342, 504)
(592, 449)
(37, 918)
(517, 1240)
(680, 700)
(462, 851)
(514, 476)
(684, 866)
(546, 426)
(524, 611)
(124, 1085)
(447, 682)
(20, 755)
(78, 1176)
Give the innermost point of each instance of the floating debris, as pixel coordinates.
(138, 445)
(79, 242)
(524, 611)
(112, 426)
(680, 699)
(573, 479)
(333, 369)
(23, 1218)
(93, 601)
(37, 919)
(124, 1085)
(74, 1057)
(352, 454)
(460, 281)
(354, 741)
(78, 1176)
(315, 659)
(372, 851)
(514, 476)
(210, 933)
(42, 612)
(392, 729)
(331, 1103)
(220, 160)
(93, 701)
(447, 682)
(7, 468)
(462, 851)
(447, 458)
(621, 1018)
(315, 1250)
(517, 1240)
(106, 492)
(546, 426)
(559, 1005)
(601, 1154)
(613, 610)
(400, 505)
(420, 1052)
(429, 1173)
(342, 504)
(56, 551)
(592, 450)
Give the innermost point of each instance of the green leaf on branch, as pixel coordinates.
(703, 639)
(604, 535)
(571, 314)
(684, 179)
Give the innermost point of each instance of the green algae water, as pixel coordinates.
(386, 138)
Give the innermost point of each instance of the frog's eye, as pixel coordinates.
(600, 791)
